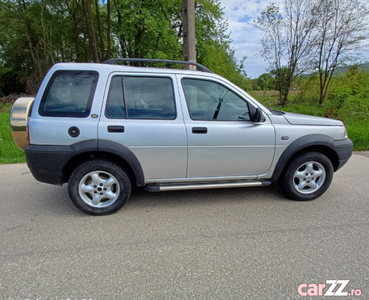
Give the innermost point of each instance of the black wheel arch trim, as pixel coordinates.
(342, 149)
(127, 155)
(48, 162)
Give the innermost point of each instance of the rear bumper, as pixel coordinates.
(344, 151)
(46, 163)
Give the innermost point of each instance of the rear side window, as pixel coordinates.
(141, 98)
(69, 94)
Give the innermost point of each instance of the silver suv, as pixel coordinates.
(107, 127)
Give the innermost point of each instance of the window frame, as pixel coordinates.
(91, 95)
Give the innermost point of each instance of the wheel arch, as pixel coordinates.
(111, 151)
(315, 142)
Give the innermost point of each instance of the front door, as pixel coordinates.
(222, 140)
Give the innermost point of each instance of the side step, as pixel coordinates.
(203, 186)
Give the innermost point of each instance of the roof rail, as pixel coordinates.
(115, 60)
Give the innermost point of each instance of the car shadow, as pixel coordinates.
(56, 200)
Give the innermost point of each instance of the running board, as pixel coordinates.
(203, 186)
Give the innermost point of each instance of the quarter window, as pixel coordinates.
(115, 108)
(208, 100)
(69, 94)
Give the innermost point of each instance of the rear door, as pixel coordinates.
(142, 114)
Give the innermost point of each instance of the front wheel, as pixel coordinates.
(307, 177)
(99, 187)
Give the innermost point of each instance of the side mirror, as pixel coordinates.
(257, 115)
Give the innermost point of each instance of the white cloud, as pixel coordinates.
(246, 38)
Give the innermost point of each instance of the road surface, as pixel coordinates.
(249, 243)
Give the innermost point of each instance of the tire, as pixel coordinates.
(99, 187)
(307, 177)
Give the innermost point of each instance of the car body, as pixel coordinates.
(106, 127)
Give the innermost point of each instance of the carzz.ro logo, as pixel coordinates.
(329, 288)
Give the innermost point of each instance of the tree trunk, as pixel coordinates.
(108, 54)
(101, 40)
(90, 31)
(321, 95)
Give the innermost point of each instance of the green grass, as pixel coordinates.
(357, 126)
(9, 152)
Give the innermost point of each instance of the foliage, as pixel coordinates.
(282, 84)
(35, 34)
(350, 94)
(309, 89)
(342, 26)
(266, 82)
(147, 29)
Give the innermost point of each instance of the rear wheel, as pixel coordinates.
(99, 187)
(307, 177)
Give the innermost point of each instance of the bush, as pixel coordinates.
(337, 100)
(9, 82)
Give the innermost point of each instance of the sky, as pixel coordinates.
(246, 39)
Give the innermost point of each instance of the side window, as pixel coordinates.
(149, 98)
(69, 94)
(115, 108)
(207, 100)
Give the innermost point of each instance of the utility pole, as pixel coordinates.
(189, 35)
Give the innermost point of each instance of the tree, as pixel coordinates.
(282, 82)
(329, 30)
(287, 39)
(147, 29)
(35, 34)
(28, 41)
(342, 26)
(266, 82)
(108, 31)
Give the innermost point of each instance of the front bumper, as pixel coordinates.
(344, 151)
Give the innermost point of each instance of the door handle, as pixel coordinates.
(112, 128)
(200, 130)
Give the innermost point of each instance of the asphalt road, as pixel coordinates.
(247, 243)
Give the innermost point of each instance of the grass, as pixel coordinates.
(9, 152)
(357, 124)
(358, 131)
